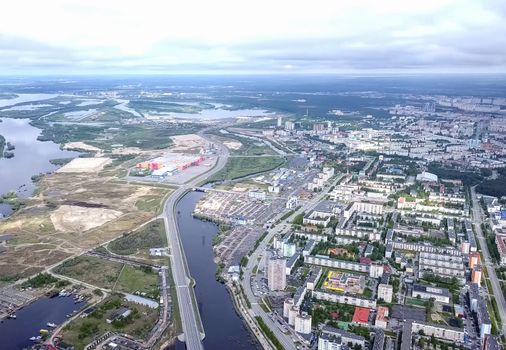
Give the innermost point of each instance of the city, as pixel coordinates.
(256, 175)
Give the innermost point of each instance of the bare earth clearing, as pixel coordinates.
(73, 213)
(188, 143)
(84, 165)
(72, 218)
(233, 145)
(81, 146)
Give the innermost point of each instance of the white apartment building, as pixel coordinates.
(344, 298)
(385, 292)
(303, 323)
(323, 260)
(426, 292)
(363, 207)
(276, 274)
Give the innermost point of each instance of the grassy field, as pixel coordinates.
(93, 270)
(134, 279)
(145, 136)
(416, 302)
(111, 275)
(151, 235)
(81, 331)
(249, 147)
(242, 166)
(150, 203)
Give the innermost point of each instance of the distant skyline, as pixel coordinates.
(234, 37)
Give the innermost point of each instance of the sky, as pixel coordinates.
(241, 37)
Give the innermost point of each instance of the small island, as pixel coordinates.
(6, 148)
(2, 145)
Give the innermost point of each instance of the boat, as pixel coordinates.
(33, 338)
(51, 325)
(12, 316)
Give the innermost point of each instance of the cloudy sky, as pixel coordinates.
(260, 36)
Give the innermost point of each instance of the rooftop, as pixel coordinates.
(431, 290)
(361, 315)
(339, 332)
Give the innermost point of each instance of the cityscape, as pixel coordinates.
(257, 188)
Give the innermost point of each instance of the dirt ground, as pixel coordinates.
(84, 165)
(232, 145)
(72, 213)
(73, 218)
(81, 146)
(188, 143)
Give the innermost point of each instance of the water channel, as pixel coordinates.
(223, 327)
(15, 334)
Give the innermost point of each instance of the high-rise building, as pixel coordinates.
(287, 305)
(318, 127)
(292, 313)
(276, 273)
(289, 126)
(280, 122)
(303, 323)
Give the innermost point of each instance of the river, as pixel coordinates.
(15, 334)
(31, 157)
(223, 327)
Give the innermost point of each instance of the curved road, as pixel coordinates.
(190, 319)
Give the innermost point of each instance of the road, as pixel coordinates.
(190, 319)
(489, 265)
(286, 340)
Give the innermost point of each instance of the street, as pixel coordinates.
(496, 287)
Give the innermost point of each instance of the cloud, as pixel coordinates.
(92, 36)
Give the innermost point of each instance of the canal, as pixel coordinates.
(31, 157)
(15, 334)
(223, 327)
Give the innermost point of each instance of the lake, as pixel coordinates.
(31, 157)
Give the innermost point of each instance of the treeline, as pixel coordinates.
(496, 187)
(269, 333)
(468, 178)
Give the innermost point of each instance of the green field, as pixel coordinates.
(81, 331)
(135, 279)
(249, 147)
(145, 136)
(111, 275)
(416, 302)
(237, 167)
(151, 235)
(90, 269)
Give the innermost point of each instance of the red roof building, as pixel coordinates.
(361, 315)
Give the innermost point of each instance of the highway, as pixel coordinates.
(489, 265)
(190, 319)
(286, 340)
